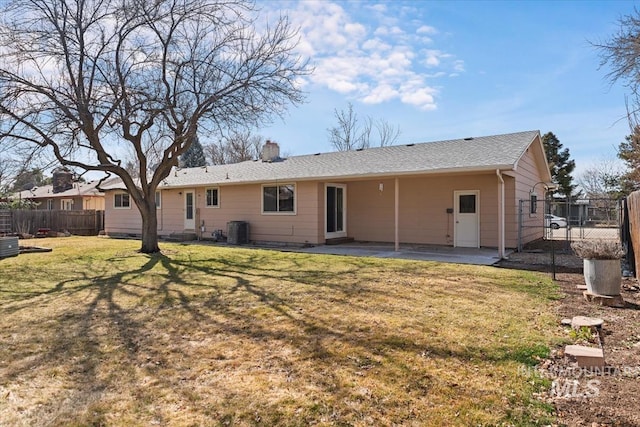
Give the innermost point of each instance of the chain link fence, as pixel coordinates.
(565, 221)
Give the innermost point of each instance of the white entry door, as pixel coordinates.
(189, 211)
(336, 212)
(466, 230)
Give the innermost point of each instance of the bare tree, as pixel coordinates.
(21, 166)
(237, 147)
(6, 176)
(347, 134)
(621, 53)
(86, 79)
(351, 133)
(388, 134)
(243, 146)
(602, 180)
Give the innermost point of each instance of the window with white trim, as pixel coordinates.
(212, 197)
(121, 201)
(278, 198)
(158, 200)
(49, 204)
(66, 204)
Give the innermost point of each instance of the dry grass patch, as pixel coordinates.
(95, 333)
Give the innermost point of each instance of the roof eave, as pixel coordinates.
(460, 170)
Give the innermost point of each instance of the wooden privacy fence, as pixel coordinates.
(633, 206)
(82, 223)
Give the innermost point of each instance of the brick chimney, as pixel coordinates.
(62, 180)
(270, 151)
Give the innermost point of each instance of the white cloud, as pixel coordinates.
(380, 8)
(458, 65)
(421, 98)
(426, 29)
(434, 57)
(381, 94)
(376, 45)
(432, 61)
(387, 31)
(371, 58)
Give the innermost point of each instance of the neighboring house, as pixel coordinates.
(65, 194)
(462, 193)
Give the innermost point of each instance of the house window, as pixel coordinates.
(50, 204)
(121, 201)
(66, 204)
(534, 203)
(213, 200)
(278, 198)
(158, 200)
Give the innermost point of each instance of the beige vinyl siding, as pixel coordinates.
(423, 204)
(370, 212)
(171, 214)
(510, 212)
(236, 203)
(93, 202)
(321, 197)
(120, 221)
(244, 203)
(528, 175)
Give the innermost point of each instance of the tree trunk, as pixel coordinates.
(149, 228)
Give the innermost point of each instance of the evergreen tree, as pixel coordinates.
(194, 156)
(560, 164)
(629, 152)
(27, 179)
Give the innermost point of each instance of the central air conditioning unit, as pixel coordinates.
(9, 247)
(237, 232)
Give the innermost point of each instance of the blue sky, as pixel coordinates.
(446, 70)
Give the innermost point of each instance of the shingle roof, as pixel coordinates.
(46, 191)
(459, 155)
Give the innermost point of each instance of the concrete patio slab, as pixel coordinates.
(481, 256)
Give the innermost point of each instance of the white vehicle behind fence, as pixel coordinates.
(555, 222)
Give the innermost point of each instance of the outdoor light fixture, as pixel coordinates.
(533, 197)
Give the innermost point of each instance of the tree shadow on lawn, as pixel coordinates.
(111, 337)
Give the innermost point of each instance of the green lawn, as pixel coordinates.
(95, 333)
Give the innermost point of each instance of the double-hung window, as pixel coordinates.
(121, 201)
(66, 204)
(213, 197)
(279, 198)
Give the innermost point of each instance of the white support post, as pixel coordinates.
(397, 214)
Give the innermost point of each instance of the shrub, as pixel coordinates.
(598, 249)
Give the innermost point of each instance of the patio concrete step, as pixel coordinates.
(585, 356)
(182, 237)
(338, 240)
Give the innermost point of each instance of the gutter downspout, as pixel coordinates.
(501, 240)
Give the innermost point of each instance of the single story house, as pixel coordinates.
(64, 193)
(462, 193)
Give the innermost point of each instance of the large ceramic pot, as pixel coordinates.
(603, 276)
